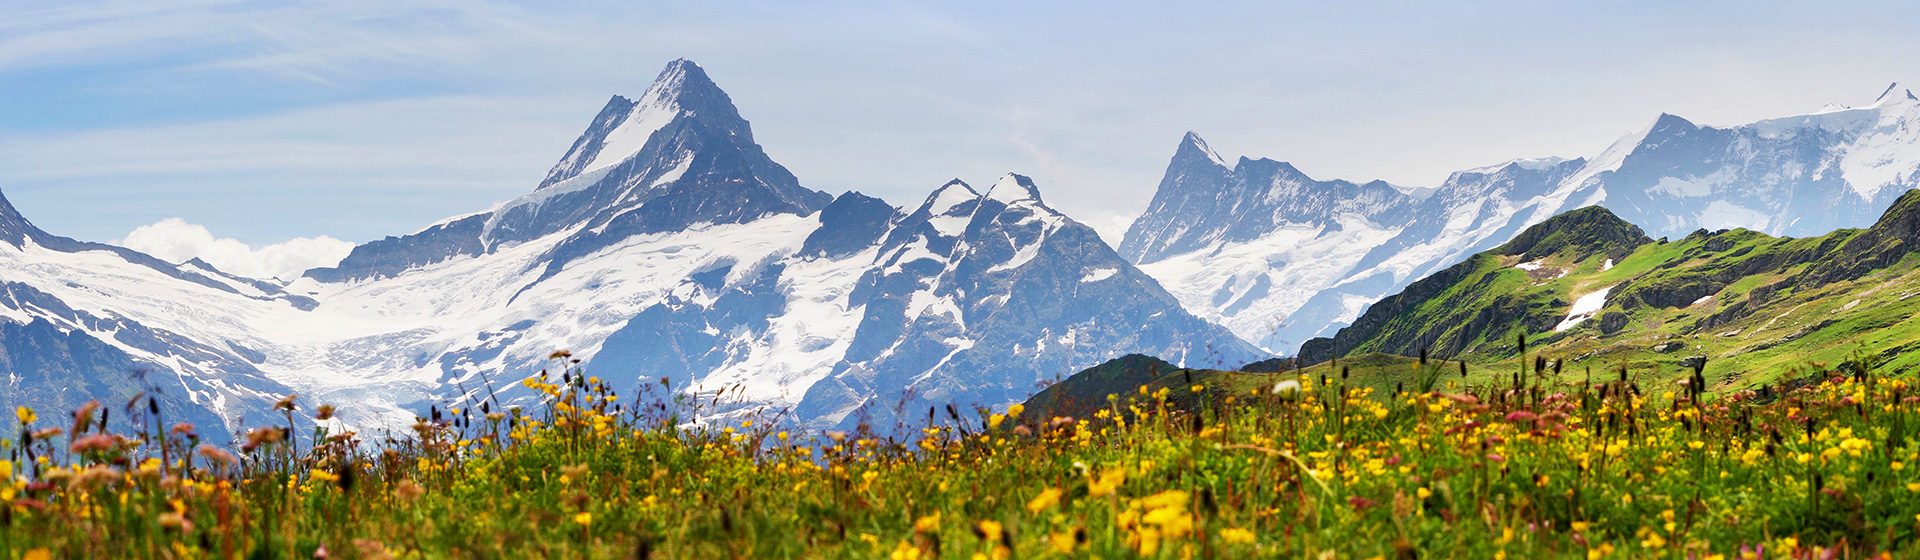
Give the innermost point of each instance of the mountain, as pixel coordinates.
(663, 246)
(1587, 287)
(678, 156)
(972, 298)
(85, 321)
(1280, 257)
(666, 245)
(1462, 306)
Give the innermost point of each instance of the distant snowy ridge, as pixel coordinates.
(1281, 258)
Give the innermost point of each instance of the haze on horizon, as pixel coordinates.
(258, 122)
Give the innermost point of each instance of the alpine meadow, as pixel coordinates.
(1697, 343)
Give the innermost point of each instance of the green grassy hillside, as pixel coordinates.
(1757, 308)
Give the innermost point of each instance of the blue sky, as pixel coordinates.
(267, 121)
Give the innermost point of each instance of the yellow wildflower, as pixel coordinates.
(1047, 498)
(989, 531)
(26, 416)
(1235, 535)
(583, 518)
(1167, 499)
(1109, 480)
(1149, 542)
(928, 524)
(1062, 542)
(905, 551)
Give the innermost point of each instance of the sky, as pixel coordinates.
(273, 135)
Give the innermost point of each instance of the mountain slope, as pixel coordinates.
(1487, 296)
(85, 321)
(1279, 278)
(664, 245)
(971, 298)
(1755, 306)
(679, 155)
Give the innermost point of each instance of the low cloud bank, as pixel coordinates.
(175, 240)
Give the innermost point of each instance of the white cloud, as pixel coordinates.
(175, 240)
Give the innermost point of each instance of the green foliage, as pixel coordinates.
(1340, 460)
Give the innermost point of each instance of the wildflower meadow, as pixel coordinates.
(1530, 463)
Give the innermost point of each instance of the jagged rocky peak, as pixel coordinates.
(625, 126)
(14, 228)
(1195, 149)
(1894, 94)
(677, 157)
(850, 224)
(1201, 203)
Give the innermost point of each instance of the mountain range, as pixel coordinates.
(1280, 257)
(1590, 288)
(664, 245)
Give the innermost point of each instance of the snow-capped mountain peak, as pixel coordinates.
(1895, 94)
(624, 126)
(679, 156)
(1013, 188)
(943, 200)
(1192, 147)
(1530, 164)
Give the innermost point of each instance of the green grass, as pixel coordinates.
(1216, 466)
(1801, 328)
